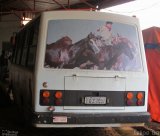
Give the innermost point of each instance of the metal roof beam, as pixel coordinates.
(23, 2)
(38, 1)
(6, 2)
(61, 5)
(88, 4)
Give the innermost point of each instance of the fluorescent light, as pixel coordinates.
(24, 22)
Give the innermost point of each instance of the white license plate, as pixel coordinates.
(59, 119)
(95, 100)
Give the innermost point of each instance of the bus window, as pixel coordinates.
(35, 35)
(20, 47)
(15, 49)
(24, 56)
(24, 49)
(31, 57)
(33, 45)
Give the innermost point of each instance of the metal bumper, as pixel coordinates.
(92, 118)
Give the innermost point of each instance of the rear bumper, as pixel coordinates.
(46, 119)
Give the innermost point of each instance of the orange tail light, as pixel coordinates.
(46, 94)
(140, 96)
(58, 94)
(130, 95)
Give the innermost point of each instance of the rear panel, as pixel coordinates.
(90, 62)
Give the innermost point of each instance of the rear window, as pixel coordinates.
(92, 45)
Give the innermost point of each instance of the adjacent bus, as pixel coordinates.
(80, 69)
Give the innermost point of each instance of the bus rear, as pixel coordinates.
(90, 71)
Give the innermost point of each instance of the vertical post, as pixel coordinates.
(34, 5)
(69, 4)
(1, 14)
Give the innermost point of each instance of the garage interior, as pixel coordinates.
(12, 15)
(13, 12)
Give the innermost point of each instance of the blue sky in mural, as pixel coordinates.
(79, 29)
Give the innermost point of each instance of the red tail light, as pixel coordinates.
(135, 98)
(58, 95)
(45, 101)
(58, 102)
(139, 103)
(129, 102)
(45, 97)
(51, 98)
(140, 99)
(129, 96)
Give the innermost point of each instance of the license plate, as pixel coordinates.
(95, 100)
(59, 119)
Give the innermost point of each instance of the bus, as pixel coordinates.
(80, 69)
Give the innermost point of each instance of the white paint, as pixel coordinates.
(61, 79)
(78, 79)
(91, 83)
